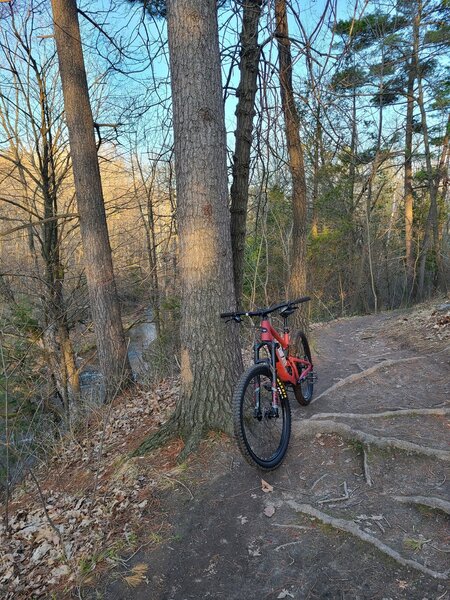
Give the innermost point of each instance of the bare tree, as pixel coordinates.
(245, 111)
(297, 275)
(104, 303)
(33, 177)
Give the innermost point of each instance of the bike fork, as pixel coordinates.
(275, 399)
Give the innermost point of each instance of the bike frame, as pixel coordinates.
(273, 341)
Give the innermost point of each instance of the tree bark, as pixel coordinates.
(111, 347)
(297, 275)
(430, 237)
(245, 111)
(316, 170)
(408, 188)
(210, 353)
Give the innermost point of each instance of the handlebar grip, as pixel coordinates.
(227, 315)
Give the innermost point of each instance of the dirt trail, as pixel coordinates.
(337, 530)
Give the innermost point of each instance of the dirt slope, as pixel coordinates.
(358, 509)
(221, 544)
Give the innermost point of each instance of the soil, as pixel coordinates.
(219, 542)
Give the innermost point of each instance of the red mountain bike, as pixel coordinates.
(261, 410)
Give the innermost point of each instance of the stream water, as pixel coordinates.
(139, 337)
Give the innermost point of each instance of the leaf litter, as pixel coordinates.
(91, 502)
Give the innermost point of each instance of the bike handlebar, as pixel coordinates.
(264, 311)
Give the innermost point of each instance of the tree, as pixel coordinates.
(210, 353)
(111, 347)
(297, 275)
(35, 167)
(245, 111)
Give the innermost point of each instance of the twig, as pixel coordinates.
(349, 527)
(366, 467)
(302, 527)
(47, 516)
(7, 437)
(278, 548)
(338, 499)
(378, 524)
(180, 483)
(317, 481)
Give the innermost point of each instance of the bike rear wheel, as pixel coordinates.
(261, 432)
(303, 391)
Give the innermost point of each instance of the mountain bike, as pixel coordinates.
(261, 409)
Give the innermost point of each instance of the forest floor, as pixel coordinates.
(358, 510)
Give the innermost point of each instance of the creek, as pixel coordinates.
(24, 442)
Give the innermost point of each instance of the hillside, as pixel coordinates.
(356, 511)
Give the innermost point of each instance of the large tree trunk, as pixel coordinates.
(245, 111)
(210, 353)
(297, 275)
(111, 347)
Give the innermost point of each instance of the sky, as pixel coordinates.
(147, 63)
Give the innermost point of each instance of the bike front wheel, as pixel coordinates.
(262, 431)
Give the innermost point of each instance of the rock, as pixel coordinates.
(59, 572)
(443, 307)
(40, 552)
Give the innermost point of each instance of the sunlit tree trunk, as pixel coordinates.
(245, 111)
(316, 170)
(408, 188)
(111, 347)
(297, 275)
(210, 353)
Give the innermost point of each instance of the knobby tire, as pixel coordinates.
(263, 442)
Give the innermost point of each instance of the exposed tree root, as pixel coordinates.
(164, 434)
(192, 441)
(167, 432)
(363, 374)
(436, 503)
(401, 412)
(349, 527)
(310, 427)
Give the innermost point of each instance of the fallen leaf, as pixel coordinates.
(266, 487)
(285, 594)
(269, 511)
(242, 519)
(254, 551)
